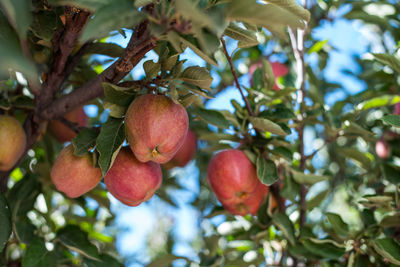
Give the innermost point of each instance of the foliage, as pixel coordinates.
(336, 206)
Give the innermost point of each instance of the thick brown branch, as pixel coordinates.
(141, 42)
(228, 57)
(135, 51)
(63, 44)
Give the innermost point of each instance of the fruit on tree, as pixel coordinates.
(64, 134)
(233, 178)
(156, 127)
(131, 181)
(382, 148)
(185, 153)
(12, 140)
(278, 69)
(74, 175)
(396, 109)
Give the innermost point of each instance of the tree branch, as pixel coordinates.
(141, 42)
(63, 44)
(297, 42)
(235, 77)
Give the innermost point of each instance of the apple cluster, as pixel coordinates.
(136, 173)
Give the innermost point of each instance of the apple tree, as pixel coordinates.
(281, 204)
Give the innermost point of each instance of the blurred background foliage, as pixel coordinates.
(351, 194)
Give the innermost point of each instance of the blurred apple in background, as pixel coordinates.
(278, 69)
(62, 132)
(186, 153)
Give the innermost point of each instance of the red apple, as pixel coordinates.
(74, 175)
(250, 204)
(156, 127)
(382, 148)
(185, 153)
(396, 109)
(12, 140)
(233, 178)
(131, 181)
(64, 134)
(278, 69)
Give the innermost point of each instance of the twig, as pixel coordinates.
(235, 77)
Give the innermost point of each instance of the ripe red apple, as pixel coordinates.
(156, 127)
(64, 134)
(12, 140)
(250, 204)
(382, 148)
(233, 178)
(278, 69)
(74, 175)
(185, 153)
(131, 181)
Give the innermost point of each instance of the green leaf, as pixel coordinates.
(199, 52)
(393, 120)
(308, 178)
(107, 49)
(355, 154)
(213, 117)
(198, 76)
(104, 261)
(389, 60)
(198, 17)
(116, 111)
(272, 17)
(91, 5)
(5, 222)
(338, 225)
(109, 142)
(75, 239)
(290, 189)
(317, 47)
(19, 14)
(266, 171)
(22, 196)
(245, 37)
(118, 95)
(391, 220)
(151, 69)
(25, 230)
(269, 73)
(84, 141)
(11, 54)
(324, 248)
(111, 17)
(38, 256)
(316, 200)
(284, 224)
(166, 260)
(265, 125)
(292, 6)
(380, 101)
(392, 173)
(388, 249)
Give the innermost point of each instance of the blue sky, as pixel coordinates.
(345, 38)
